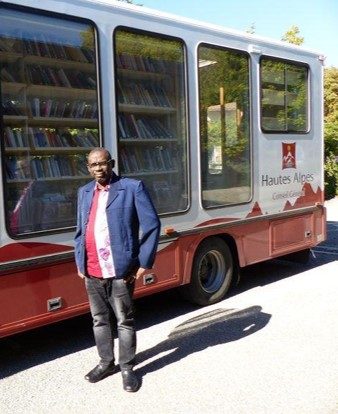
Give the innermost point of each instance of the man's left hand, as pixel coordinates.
(140, 272)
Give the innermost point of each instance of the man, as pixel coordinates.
(110, 256)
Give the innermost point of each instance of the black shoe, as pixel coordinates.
(100, 372)
(130, 381)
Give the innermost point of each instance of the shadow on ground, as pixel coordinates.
(216, 327)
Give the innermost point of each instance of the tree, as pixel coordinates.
(331, 130)
(331, 94)
(331, 110)
(130, 2)
(292, 36)
(251, 29)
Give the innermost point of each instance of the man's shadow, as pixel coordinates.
(209, 329)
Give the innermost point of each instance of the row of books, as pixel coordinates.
(57, 51)
(46, 48)
(142, 127)
(36, 209)
(17, 168)
(50, 108)
(43, 137)
(15, 138)
(141, 63)
(69, 78)
(52, 166)
(158, 158)
(41, 107)
(49, 137)
(12, 106)
(145, 93)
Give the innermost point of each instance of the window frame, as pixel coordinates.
(245, 53)
(73, 19)
(308, 91)
(140, 31)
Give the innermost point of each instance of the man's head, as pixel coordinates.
(100, 165)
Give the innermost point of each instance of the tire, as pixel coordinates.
(212, 273)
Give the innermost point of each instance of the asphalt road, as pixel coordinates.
(269, 348)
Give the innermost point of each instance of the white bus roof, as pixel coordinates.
(173, 18)
(197, 23)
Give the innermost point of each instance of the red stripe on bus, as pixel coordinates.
(25, 250)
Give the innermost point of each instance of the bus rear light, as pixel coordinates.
(169, 231)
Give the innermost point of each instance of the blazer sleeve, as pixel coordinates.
(78, 234)
(149, 224)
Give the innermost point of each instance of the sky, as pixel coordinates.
(317, 20)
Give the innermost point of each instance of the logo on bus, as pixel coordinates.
(289, 155)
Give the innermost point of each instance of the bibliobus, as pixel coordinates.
(224, 128)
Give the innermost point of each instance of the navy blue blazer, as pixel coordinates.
(129, 210)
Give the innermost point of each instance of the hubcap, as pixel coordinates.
(212, 271)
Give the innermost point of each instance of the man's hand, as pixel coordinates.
(81, 275)
(140, 272)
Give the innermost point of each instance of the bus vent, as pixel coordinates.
(54, 304)
(148, 279)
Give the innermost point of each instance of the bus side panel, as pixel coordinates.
(262, 240)
(165, 273)
(24, 296)
(274, 238)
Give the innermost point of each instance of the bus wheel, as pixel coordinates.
(212, 273)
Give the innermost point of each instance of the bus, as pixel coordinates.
(224, 128)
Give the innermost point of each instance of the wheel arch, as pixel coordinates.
(231, 242)
(195, 244)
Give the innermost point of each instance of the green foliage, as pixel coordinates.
(155, 48)
(130, 2)
(88, 38)
(331, 95)
(251, 29)
(331, 176)
(331, 131)
(331, 137)
(292, 36)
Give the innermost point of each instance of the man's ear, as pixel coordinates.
(112, 163)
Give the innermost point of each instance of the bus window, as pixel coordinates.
(151, 115)
(284, 96)
(49, 117)
(224, 126)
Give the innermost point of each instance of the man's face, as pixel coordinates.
(100, 166)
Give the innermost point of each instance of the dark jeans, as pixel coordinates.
(111, 306)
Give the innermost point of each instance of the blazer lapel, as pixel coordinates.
(88, 197)
(114, 189)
